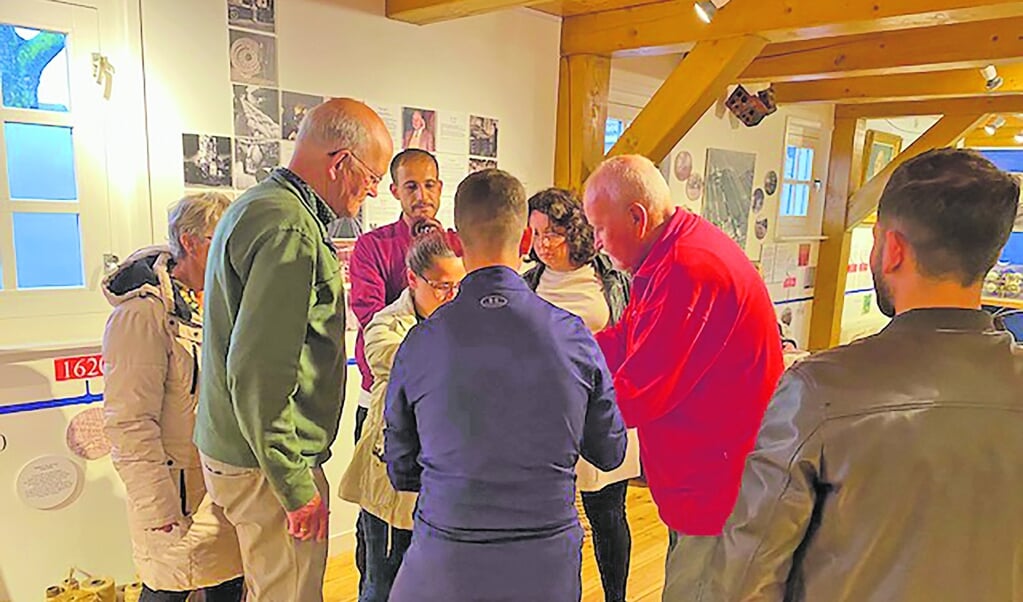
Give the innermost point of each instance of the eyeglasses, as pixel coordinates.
(374, 178)
(551, 238)
(442, 290)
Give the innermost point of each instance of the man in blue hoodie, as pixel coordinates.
(491, 402)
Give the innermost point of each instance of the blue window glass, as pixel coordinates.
(804, 164)
(790, 162)
(613, 129)
(40, 162)
(803, 204)
(786, 199)
(48, 250)
(34, 69)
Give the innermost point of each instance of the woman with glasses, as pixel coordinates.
(572, 275)
(434, 272)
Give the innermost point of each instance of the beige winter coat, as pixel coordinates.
(365, 482)
(151, 351)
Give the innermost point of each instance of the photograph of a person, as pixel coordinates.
(253, 58)
(254, 160)
(478, 164)
(256, 112)
(251, 14)
(482, 136)
(207, 160)
(295, 105)
(418, 127)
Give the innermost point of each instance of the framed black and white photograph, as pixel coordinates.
(251, 14)
(257, 112)
(294, 107)
(482, 136)
(207, 160)
(254, 160)
(479, 164)
(253, 58)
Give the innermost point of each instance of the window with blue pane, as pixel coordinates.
(34, 69)
(48, 250)
(40, 162)
(613, 129)
(797, 178)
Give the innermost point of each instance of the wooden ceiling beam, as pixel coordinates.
(945, 132)
(905, 86)
(684, 97)
(1008, 103)
(583, 85)
(956, 46)
(674, 22)
(423, 12)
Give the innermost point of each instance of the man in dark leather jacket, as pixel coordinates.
(892, 468)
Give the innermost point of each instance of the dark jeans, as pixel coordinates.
(360, 539)
(612, 541)
(228, 591)
(384, 553)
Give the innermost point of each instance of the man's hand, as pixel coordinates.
(309, 521)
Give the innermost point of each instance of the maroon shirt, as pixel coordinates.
(377, 273)
(695, 358)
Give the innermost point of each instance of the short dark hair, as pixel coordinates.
(565, 211)
(429, 244)
(490, 210)
(955, 208)
(411, 154)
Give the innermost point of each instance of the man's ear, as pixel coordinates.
(394, 190)
(639, 217)
(896, 251)
(410, 278)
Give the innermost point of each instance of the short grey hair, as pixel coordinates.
(327, 126)
(633, 178)
(195, 214)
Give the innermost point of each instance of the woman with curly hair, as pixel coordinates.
(572, 275)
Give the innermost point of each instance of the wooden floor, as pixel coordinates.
(646, 575)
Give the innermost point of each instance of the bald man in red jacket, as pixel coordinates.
(695, 357)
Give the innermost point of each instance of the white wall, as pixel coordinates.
(502, 65)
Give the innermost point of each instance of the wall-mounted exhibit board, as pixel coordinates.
(500, 68)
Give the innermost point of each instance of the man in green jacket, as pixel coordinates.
(273, 359)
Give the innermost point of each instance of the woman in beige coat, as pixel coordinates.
(151, 347)
(386, 516)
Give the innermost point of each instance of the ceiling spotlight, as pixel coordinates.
(1018, 138)
(993, 125)
(706, 9)
(994, 81)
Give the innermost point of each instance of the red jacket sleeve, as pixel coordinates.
(368, 288)
(674, 337)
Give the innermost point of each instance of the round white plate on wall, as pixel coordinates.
(48, 482)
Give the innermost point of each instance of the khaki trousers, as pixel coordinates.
(278, 567)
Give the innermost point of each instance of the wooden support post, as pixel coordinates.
(686, 95)
(583, 87)
(832, 264)
(947, 131)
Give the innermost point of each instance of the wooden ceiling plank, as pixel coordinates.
(674, 22)
(686, 95)
(906, 86)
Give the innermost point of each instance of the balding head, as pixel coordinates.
(627, 201)
(342, 150)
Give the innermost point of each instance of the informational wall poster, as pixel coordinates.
(391, 115)
(293, 108)
(453, 169)
(452, 132)
(419, 129)
(483, 136)
(207, 160)
(257, 112)
(253, 58)
(254, 160)
(729, 190)
(251, 14)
